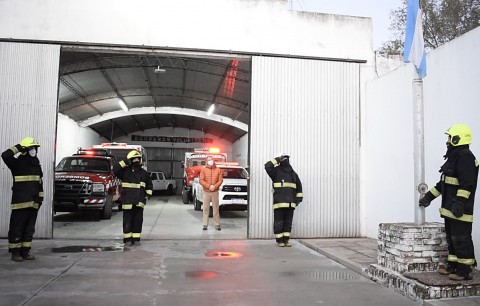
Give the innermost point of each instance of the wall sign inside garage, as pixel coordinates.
(171, 139)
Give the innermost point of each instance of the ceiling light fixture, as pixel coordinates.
(210, 110)
(159, 70)
(123, 105)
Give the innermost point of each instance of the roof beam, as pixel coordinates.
(136, 92)
(78, 93)
(164, 110)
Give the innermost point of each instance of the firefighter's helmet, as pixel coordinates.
(29, 142)
(460, 134)
(134, 154)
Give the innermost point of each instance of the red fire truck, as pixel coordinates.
(120, 150)
(193, 164)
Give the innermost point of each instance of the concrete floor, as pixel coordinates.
(164, 218)
(179, 264)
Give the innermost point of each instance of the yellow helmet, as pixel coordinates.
(134, 154)
(460, 134)
(28, 142)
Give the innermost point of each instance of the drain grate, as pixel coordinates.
(85, 248)
(324, 275)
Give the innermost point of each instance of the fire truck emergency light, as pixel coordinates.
(214, 150)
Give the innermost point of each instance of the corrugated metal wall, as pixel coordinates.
(28, 104)
(168, 160)
(309, 109)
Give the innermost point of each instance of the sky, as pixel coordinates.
(378, 10)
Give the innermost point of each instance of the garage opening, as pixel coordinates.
(170, 103)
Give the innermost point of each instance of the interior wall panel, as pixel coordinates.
(310, 110)
(28, 104)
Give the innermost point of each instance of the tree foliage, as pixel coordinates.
(443, 20)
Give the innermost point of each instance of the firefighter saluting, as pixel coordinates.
(27, 196)
(137, 186)
(287, 195)
(457, 186)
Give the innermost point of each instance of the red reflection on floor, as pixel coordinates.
(201, 274)
(223, 254)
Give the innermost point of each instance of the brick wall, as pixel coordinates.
(407, 247)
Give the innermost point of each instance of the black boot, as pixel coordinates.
(16, 256)
(28, 256)
(449, 269)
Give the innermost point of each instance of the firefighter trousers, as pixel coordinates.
(21, 230)
(132, 223)
(282, 224)
(461, 253)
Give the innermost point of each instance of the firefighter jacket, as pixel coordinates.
(458, 182)
(27, 189)
(287, 187)
(136, 184)
(211, 175)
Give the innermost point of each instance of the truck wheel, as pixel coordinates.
(197, 205)
(185, 197)
(107, 208)
(170, 190)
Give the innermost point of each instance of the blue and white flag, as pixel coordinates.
(414, 48)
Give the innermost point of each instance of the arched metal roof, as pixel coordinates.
(150, 84)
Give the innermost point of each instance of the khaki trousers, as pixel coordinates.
(207, 198)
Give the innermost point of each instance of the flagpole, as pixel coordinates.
(419, 149)
(414, 52)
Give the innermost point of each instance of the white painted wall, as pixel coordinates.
(264, 26)
(451, 95)
(70, 136)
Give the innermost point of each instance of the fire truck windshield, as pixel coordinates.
(83, 164)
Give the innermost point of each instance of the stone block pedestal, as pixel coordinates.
(407, 249)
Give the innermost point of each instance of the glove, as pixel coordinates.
(457, 208)
(21, 148)
(426, 199)
(280, 156)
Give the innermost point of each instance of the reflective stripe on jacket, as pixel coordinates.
(287, 187)
(27, 188)
(136, 184)
(458, 182)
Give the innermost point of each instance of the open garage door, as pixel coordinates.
(166, 97)
(309, 109)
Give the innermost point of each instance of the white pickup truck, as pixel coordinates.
(233, 194)
(161, 184)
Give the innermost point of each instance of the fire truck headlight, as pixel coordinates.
(98, 188)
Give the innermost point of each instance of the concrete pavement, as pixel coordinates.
(86, 264)
(184, 272)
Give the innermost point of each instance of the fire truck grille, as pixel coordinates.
(70, 190)
(228, 188)
(233, 196)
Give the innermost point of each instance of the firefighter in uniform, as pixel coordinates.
(27, 196)
(287, 194)
(457, 186)
(136, 187)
